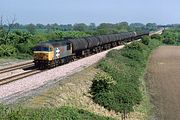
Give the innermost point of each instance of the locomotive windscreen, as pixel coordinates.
(40, 48)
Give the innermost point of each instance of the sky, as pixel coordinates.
(91, 11)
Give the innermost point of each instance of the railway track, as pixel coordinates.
(15, 67)
(18, 76)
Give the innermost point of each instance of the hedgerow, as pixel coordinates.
(125, 66)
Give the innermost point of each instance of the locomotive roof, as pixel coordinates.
(54, 43)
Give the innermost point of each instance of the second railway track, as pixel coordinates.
(18, 76)
(15, 67)
(30, 71)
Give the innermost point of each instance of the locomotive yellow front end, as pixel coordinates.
(43, 55)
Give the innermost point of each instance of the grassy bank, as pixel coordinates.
(119, 86)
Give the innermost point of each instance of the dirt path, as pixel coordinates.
(163, 78)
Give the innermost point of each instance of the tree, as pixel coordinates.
(16, 26)
(67, 27)
(31, 28)
(55, 26)
(122, 27)
(151, 26)
(4, 33)
(1, 22)
(48, 27)
(106, 28)
(136, 27)
(40, 26)
(92, 26)
(80, 27)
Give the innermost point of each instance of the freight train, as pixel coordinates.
(57, 52)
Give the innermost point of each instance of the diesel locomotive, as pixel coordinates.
(56, 52)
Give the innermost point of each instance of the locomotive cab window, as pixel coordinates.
(68, 46)
(42, 49)
(45, 49)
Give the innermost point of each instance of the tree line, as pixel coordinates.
(103, 28)
(18, 40)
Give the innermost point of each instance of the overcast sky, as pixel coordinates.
(88, 11)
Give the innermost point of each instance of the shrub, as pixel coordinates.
(25, 48)
(136, 51)
(145, 40)
(7, 50)
(169, 41)
(154, 43)
(158, 37)
(133, 54)
(102, 82)
(135, 46)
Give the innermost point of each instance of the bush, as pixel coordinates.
(145, 40)
(136, 46)
(102, 82)
(158, 37)
(7, 50)
(169, 41)
(25, 48)
(133, 54)
(136, 51)
(154, 43)
(171, 36)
